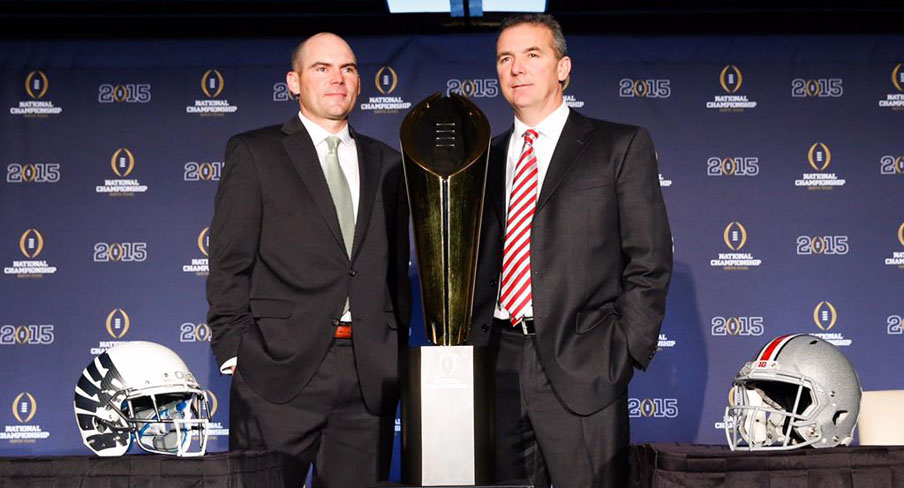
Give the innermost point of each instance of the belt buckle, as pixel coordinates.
(343, 330)
(527, 326)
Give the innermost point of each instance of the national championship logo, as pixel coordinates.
(122, 164)
(570, 99)
(199, 266)
(819, 158)
(214, 428)
(730, 80)
(24, 409)
(36, 105)
(31, 245)
(212, 85)
(895, 101)
(825, 316)
(117, 324)
(386, 80)
(734, 236)
(897, 257)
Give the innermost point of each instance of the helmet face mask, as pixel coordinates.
(141, 391)
(772, 414)
(798, 391)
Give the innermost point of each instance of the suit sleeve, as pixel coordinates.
(646, 244)
(234, 236)
(401, 256)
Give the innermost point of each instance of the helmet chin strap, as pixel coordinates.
(762, 428)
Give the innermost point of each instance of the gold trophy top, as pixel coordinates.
(445, 148)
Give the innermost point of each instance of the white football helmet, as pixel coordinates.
(799, 390)
(144, 391)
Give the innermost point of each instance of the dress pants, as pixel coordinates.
(541, 441)
(327, 424)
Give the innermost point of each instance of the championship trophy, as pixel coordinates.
(447, 390)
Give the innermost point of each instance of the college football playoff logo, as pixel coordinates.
(731, 79)
(825, 315)
(735, 236)
(24, 407)
(31, 243)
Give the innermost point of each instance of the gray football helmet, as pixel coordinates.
(142, 391)
(799, 390)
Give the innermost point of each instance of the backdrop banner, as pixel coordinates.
(781, 160)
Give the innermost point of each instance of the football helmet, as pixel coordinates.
(142, 391)
(799, 390)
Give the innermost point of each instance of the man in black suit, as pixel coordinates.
(573, 269)
(308, 285)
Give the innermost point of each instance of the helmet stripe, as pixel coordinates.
(771, 349)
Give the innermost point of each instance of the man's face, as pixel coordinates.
(528, 69)
(327, 79)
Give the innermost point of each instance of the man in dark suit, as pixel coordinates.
(574, 265)
(308, 285)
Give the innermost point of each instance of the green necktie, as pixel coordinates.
(342, 197)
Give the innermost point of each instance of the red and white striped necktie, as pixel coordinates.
(515, 292)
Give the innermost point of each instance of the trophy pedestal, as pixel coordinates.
(447, 416)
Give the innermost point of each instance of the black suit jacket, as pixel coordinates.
(279, 272)
(601, 259)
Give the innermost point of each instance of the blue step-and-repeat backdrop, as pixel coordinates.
(781, 160)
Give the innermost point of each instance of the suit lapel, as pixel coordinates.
(301, 151)
(369, 163)
(496, 174)
(572, 141)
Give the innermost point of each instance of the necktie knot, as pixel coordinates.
(332, 143)
(530, 136)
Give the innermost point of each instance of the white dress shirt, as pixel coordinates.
(348, 161)
(548, 130)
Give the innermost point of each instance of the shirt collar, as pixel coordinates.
(550, 127)
(319, 134)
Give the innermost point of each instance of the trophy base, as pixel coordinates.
(447, 416)
(456, 486)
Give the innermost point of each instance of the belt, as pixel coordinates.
(526, 325)
(343, 330)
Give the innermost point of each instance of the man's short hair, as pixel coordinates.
(546, 20)
(295, 62)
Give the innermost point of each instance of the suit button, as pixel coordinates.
(352, 272)
(485, 327)
(493, 283)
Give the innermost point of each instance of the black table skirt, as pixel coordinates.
(701, 466)
(218, 470)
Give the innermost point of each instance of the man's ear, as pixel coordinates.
(292, 83)
(563, 68)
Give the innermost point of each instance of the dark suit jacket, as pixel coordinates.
(279, 272)
(601, 259)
